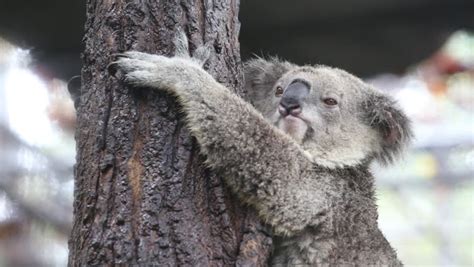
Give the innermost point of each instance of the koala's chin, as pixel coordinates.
(294, 127)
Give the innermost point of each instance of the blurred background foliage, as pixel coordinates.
(420, 51)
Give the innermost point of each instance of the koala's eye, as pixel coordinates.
(279, 91)
(330, 101)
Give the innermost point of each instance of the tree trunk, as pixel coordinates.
(142, 195)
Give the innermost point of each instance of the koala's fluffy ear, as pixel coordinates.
(392, 124)
(260, 75)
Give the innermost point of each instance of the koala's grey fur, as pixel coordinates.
(308, 179)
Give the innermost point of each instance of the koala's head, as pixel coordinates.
(336, 117)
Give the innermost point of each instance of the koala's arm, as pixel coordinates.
(261, 164)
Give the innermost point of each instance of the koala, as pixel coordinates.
(298, 151)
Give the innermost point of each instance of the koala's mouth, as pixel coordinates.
(294, 126)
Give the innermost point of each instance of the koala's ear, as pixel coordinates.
(392, 124)
(260, 75)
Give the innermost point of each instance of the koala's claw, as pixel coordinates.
(112, 69)
(114, 66)
(119, 55)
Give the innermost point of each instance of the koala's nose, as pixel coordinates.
(292, 99)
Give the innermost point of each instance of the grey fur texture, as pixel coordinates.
(308, 177)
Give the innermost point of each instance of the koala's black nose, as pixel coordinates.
(292, 98)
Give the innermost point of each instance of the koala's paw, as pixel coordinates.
(139, 69)
(148, 70)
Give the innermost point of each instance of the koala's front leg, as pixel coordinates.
(160, 72)
(164, 73)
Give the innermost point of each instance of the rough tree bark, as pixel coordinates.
(142, 195)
